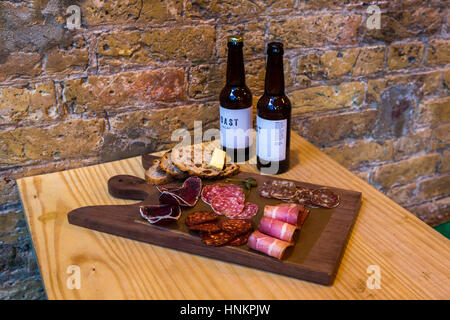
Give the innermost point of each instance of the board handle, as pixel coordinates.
(129, 187)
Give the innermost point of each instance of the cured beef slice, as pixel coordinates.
(186, 195)
(160, 213)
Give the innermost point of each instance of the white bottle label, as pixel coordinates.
(235, 126)
(271, 139)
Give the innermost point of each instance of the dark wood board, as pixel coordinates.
(315, 256)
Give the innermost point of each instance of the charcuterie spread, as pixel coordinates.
(261, 221)
(229, 222)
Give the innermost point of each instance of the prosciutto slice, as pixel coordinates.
(277, 228)
(291, 213)
(160, 213)
(267, 244)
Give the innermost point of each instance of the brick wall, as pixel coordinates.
(375, 100)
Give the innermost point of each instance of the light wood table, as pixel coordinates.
(413, 259)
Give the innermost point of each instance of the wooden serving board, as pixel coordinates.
(315, 257)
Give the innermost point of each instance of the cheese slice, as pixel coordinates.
(218, 159)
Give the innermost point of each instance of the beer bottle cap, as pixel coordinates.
(275, 47)
(235, 40)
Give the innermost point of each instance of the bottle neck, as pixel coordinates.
(274, 83)
(235, 66)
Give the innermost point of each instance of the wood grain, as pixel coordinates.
(413, 258)
(315, 257)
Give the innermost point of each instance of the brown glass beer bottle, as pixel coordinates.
(273, 121)
(235, 105)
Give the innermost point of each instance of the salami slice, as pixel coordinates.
(227, 205)
(324, 197)
(232, 190)
(250, 210)
(283, 189)
(200, 217)
(303, 195)
(240, 240)
(210, 192)
(208, 227)
(264, 190)
(216, 239)
(236, 227)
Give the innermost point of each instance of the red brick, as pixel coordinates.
(21, 64)
(138, 88)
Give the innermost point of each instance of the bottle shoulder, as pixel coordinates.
(235, 97)
(274, 107)
(274, 102)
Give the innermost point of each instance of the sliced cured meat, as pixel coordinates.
(266, 244)
(286, 212)
(324, 197)
(232, 190)
(208, 227)
(236, 227)
(264, 190)
(283, 189)
(200, 217)
(240, 240)
(216, 239)
(168, 198)
(210, 192)
(303, 195)
(277, 229)
(160, 213)
(302, 217)
(186, 195)
(227, 205)
(249, 211)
